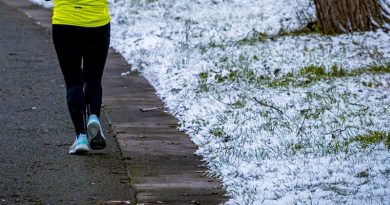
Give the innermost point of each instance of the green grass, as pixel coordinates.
(205, 47)
(255, 37)
(362, 174)
(336, 146)
(362, 141)
(312, 74)
(145, 1)
(372, 138)
(203, 85)
(374, 69)
(259, 37)
(310, 28)
(239, 104)
(220, 133)
(303, 78)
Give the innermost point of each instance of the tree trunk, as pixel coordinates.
(344, 16)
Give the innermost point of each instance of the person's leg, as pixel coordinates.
(94, 59)
(69, 52)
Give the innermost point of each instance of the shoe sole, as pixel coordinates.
(80, 149)
(97, 139)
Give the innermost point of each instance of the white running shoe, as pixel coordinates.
(80, 145)
(95, 133)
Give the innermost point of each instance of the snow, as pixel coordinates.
(218, 64)
(44, 3)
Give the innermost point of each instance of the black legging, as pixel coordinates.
(82, 53)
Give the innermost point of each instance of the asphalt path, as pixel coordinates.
(36, 131)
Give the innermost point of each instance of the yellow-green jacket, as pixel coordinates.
(84, 13)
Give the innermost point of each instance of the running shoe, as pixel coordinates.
(95, 133)
(80, 145)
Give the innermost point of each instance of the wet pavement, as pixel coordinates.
(160, 167)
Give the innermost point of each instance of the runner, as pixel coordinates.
(81, 36)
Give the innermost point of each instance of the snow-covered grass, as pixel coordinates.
(280, 119)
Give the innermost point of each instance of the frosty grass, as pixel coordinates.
(279, 118)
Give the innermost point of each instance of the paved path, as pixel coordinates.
(36, 131)
(159, 159)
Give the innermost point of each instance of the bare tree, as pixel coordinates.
(343, 16)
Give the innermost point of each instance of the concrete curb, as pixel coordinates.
(160, 160)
